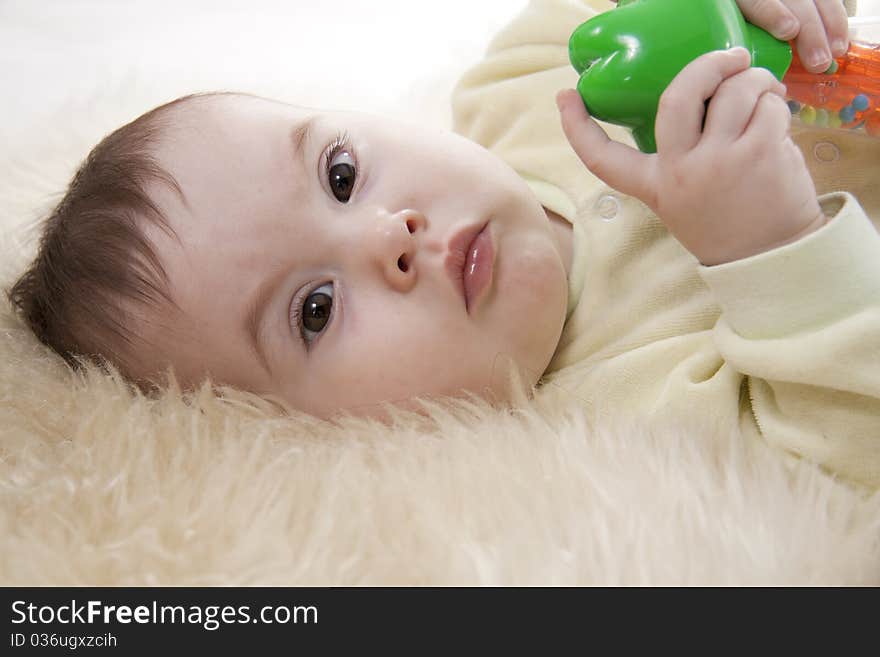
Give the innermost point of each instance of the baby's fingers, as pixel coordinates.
(769, 124)
(618, 165)
(682, 106)
(734, 104)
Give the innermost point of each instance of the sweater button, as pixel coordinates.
(825, 151)
(607, 207)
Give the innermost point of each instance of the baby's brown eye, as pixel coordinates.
(316, 311)
(341, 175)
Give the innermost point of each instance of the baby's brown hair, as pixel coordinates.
(94, 263)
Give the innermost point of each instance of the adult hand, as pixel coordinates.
(818, 27)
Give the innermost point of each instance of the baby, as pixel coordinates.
(339, 261)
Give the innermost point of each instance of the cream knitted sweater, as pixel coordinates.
(782, 347)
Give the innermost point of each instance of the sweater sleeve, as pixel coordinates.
(802, 323)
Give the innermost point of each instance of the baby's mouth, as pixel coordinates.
(470, 263)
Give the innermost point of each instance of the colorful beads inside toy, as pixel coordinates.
(846, 96)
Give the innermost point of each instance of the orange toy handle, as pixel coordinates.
(847, 96)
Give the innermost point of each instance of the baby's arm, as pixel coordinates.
(797, 278)
(802, 324)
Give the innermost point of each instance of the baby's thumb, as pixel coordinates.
(618, 165)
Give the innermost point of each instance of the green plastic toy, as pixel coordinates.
(627, 57)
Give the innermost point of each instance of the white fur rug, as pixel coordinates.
(99, 486)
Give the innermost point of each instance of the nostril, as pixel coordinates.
(411, 225)
(403, 263)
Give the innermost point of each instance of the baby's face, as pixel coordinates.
(328, 258)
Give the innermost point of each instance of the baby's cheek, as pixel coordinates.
(397, 358)
(532, 296)
(532, 275)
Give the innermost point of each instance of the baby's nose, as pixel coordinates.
(395, 246)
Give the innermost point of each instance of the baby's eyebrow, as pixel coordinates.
(299, 137)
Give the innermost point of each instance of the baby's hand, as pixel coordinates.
(737, 187)
(819, 27)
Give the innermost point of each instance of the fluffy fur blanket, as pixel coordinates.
(101, 486)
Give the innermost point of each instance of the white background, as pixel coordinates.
(380, 55)
(81, 67)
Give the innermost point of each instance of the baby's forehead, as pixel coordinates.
(214, 147)
(215, 106)
(220, 124)
(195, 113)
(199, 128)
